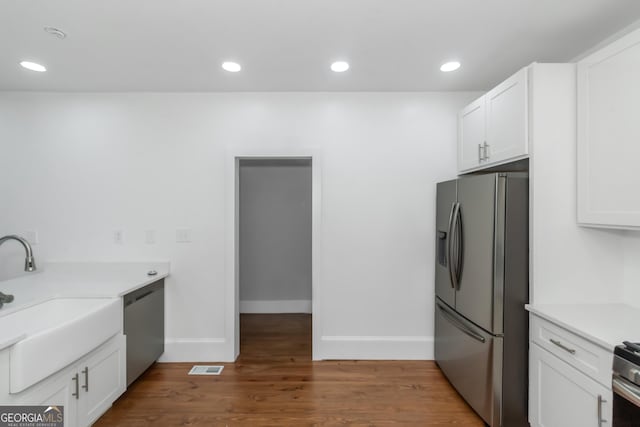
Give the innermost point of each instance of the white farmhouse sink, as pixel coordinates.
(58, 332)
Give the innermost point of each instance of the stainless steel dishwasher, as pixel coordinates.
(144, 328)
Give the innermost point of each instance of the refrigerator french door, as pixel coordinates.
(481, 326)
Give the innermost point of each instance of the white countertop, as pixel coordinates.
(606, 325)
(73, 280)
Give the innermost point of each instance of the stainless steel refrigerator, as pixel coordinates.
(482, 285)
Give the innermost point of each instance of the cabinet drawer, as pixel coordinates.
(585, 356)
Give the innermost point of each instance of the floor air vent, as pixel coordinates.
(206, 370)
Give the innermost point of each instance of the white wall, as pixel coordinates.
(632, 268)
(573, 264)
(75, 167)
(275, 236)
(570, 264)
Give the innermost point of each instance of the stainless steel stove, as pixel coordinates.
(626, 385)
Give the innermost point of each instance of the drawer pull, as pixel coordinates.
(562, 346)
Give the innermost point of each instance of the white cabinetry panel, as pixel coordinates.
(471, 134)
(561, 396)
(507, 131)
(494, 128)
(102, 379)
(609, 135)
(55, 391)
(86, 388)
(592, 360)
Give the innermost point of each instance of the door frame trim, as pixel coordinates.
(231, 258)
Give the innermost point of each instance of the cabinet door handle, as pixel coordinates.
(600, 402)
(486, 151)
(85, 371)
(562, 346)
(77, 392)
(480, 158)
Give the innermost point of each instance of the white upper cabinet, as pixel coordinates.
(609, 135)
(493, 129)
(471, 134)
(507, 119)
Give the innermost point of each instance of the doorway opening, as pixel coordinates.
(274, 256)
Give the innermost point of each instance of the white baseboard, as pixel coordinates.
(331, 348)
(277, 306)
(196, 350)
(376, 348)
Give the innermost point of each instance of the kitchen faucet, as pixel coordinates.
(4, 298)
(29, 262)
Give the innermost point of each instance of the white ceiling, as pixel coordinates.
(288, 45)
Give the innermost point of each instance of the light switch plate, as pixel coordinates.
(150, 237)
(118, 237)
(183, 235)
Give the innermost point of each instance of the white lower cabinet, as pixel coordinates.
(102, 377)
(56, 390)
(86, 389)
(562, 396)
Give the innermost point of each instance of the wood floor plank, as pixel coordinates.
(275, 383)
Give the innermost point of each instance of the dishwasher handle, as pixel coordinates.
(142, 293)
(138, 298)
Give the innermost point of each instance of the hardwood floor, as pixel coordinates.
(275, 383)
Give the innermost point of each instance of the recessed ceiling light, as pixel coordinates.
(450, 66)
(55, 32)
(232, 67)
(33, 66)
(339, 66)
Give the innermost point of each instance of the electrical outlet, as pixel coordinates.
(183, 235)
(150, 237)
(31, 236)
(118, 237)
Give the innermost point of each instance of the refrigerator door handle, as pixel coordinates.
(463, 328)
(450, 246)
(457, 225)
